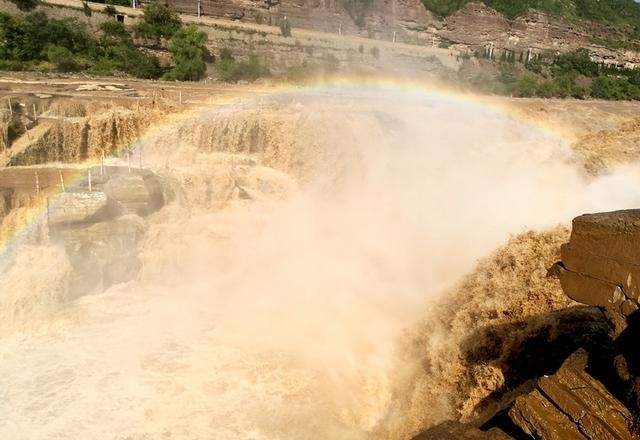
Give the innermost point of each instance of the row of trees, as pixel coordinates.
(568, 75)
(36, 42)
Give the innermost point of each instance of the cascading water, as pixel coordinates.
(308, 231)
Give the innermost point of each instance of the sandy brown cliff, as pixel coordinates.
(471, 28)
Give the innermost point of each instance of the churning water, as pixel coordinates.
(308, 231)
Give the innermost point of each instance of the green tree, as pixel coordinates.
(118, 53)
(226, 65)
(525, 87)
(607, 87)
(11, 35)
(158, 21)
(62, 58)
(578, 61)
(253, 69)
(188, 50)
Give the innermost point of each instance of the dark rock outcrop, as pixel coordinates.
(571, 405)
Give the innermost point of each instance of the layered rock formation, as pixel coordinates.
(572, 405)
(595, 393)
(473, 27)
(601, 263)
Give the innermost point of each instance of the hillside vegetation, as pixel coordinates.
(37, 42)
(609, 12)
(570, 75)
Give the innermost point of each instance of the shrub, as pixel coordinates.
(158, 21)
(188, 50)
(118, 54)
(230, 70)
(118, 2)
(607, 87)
(525, 87)
(226, 66)
(62, 59)
(443, 7)
(110, 10)
(252, 70)
(577, 61)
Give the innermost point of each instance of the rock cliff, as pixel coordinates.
(472, 27)
(594, 394)
(601, 263)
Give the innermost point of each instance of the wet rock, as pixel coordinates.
(80, 207)
(571, 405)
(101, 224)
(613, 270)
(614, 235)
(601, 264)
(589, 290)
(628, 307)
(137, 193)
(102, 254)
(459, 431)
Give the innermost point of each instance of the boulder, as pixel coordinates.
(614, 235)
(615, 271)
(601, 264)
(571, 405)
(589, 290)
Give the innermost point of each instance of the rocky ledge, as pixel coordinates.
(601, 264)
(101, 224)
(97, 214)
(594, 395)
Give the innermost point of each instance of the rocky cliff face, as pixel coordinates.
(473, 27)
(595, 392)
(601, 264)
(477, 25)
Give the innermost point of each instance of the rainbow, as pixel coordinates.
(31, 219)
